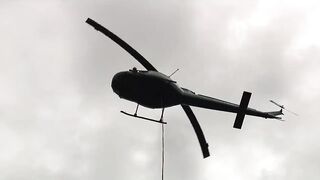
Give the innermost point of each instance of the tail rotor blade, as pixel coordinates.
(282, 107)
(291, 112)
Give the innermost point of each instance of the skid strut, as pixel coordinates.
(145, 118)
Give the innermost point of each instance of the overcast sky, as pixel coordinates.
(59, 118)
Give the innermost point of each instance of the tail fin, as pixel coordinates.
(275, 114)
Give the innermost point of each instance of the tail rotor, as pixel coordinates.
(282, 107)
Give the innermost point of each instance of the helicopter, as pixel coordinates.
(153, 89)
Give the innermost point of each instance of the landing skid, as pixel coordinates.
(145, 118)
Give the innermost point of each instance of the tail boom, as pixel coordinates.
(197, 100)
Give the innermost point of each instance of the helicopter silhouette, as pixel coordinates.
(153, 89)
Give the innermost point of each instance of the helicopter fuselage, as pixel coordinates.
(148, 88)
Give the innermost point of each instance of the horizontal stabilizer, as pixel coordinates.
(242, 110)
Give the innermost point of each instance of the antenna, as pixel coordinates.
(282, 107)
(174, 72)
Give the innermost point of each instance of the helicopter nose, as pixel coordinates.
(116, 83)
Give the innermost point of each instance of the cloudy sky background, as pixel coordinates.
(59, 118)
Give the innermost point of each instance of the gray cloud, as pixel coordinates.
(60, 118)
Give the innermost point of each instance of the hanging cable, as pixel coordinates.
(162, 160)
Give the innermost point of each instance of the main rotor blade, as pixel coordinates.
(196, 126)
(122, 43)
